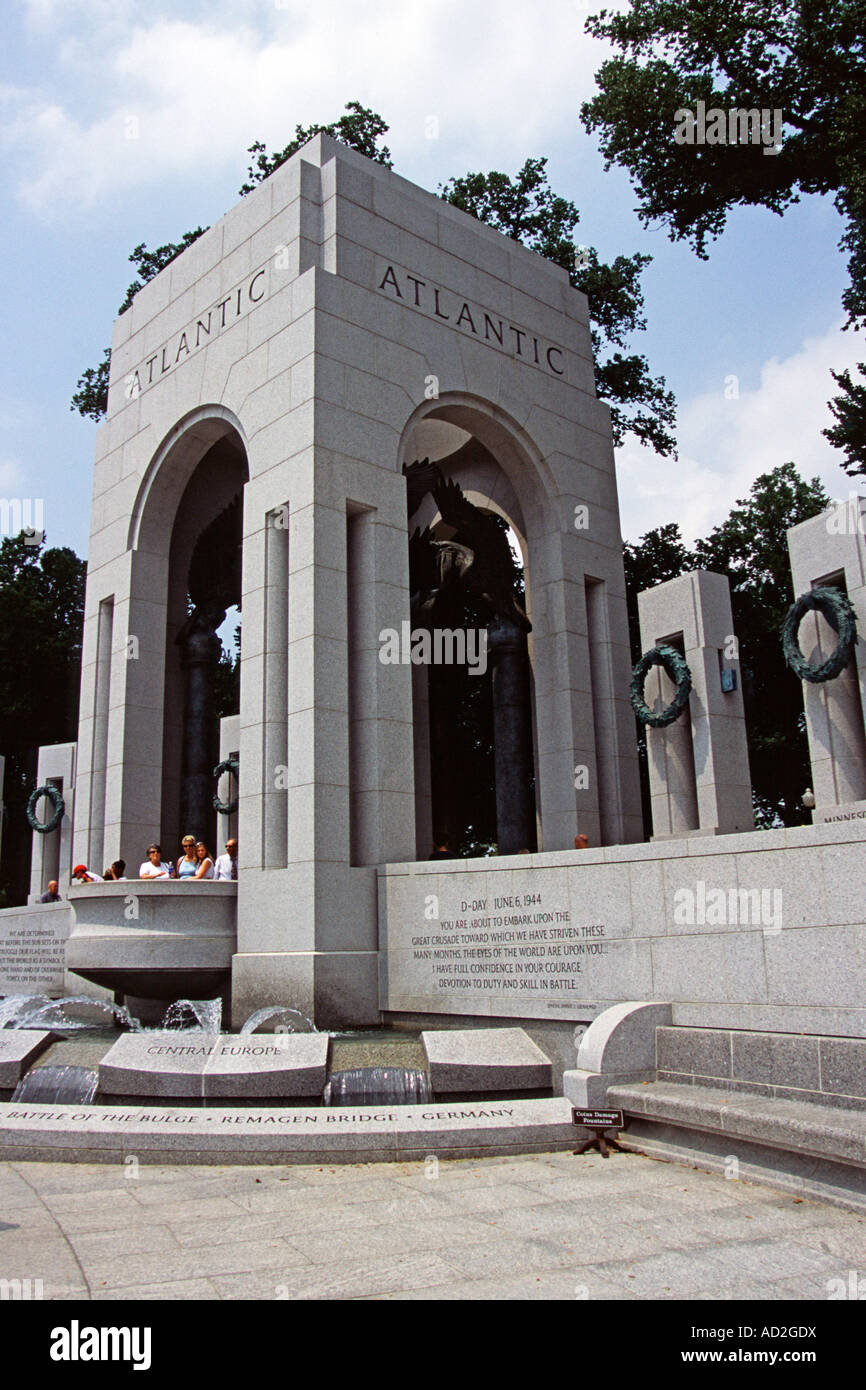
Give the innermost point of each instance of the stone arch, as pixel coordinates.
(171, 468)
(501, 471)
(200, 466)
(501, 435)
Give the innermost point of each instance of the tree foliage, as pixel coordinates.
(750, 547)
(150, 263)
(41, 617)
(804, 58)
(91, 398)
(658, 556)
(526, 209)
(849, 432)
(361, 130)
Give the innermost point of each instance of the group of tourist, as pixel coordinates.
(115, 873)
(196, 862)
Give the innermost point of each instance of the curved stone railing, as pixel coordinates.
(156, 939)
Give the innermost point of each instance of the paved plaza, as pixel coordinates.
(542, 1226)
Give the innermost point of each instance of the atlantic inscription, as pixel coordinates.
(198, 333)
(470, 318)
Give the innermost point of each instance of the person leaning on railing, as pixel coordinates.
(154, 865)
(81, 874)
(226, 867)
(187, 865)
(204, 861)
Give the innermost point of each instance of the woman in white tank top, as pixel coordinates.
(205, 861)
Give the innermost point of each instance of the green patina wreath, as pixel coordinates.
(675, 665)
(45, 828)
(226, 808)
(834, 605)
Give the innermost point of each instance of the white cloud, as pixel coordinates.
(725, 444)
(502, 77)
(10, 478)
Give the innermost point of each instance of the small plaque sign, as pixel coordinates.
(597, 1119)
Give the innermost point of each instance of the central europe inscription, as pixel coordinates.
(168, 1064)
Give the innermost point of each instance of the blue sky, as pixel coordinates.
(122, 123)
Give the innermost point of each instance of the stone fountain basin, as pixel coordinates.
(157, 939)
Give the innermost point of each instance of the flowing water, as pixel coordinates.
(378, 1086)
(58, 1086)
(35, 1011)
(274, 1011)
(207, 1014)
(17, 1006)
(385, 1083)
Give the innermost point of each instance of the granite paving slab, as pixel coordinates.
(516, 1248)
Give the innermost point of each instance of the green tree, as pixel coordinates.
(361, 130)
(41, 616)
(750, 547)
(527, 210)
(91, 398)
(849, 432)
(804, 59)
(658, 556)
(150, 263)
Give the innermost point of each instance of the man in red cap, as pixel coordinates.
(80, 874)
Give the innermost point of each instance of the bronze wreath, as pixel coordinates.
(56, 801)
(839, 614)
(226, 808)
(675, 665)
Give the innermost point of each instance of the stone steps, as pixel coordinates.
(829, 1071)
(799, 1146)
